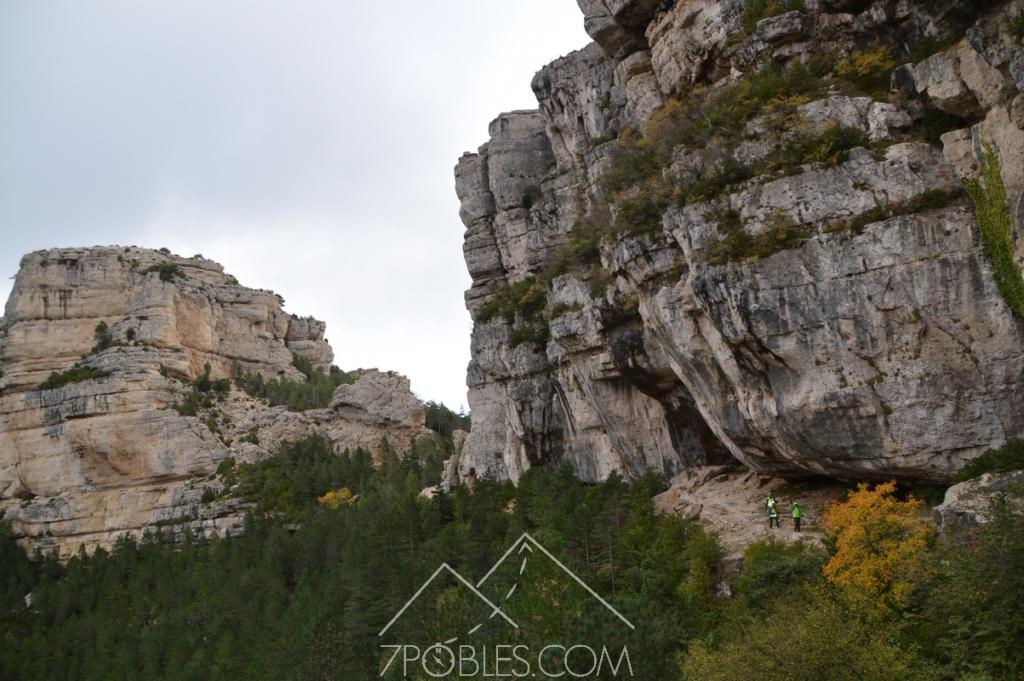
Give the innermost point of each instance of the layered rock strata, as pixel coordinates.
(864, 337)
(103, 452)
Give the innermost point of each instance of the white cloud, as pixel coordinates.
(308, 146)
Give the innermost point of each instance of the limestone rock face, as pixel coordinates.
(85, 462)
(968, 503)
(871, 342)
(731, 502)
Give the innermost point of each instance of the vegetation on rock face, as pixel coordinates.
(639, 186)
(996, 226)
(102, 337)
(202, 393)
(927, 200)
(756, 10)
(75, 374)
(828, 147)
(868, 70)
(521, 305)
(168, 271)
(736, 244)
(1009, 457)
(313, 393)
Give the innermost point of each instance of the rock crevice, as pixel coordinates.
(802, 309)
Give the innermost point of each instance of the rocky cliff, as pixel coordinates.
(739, 230)
(99, 350)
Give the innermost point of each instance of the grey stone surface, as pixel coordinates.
(968, 504)
(876, 352)
(85, 463)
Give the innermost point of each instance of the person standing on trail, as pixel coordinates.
(798, 515)
(773, 515)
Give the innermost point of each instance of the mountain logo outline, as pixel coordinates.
(525, 542)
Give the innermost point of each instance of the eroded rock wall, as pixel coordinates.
(85, 462)
(863, 337)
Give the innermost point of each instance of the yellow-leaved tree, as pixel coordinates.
(881, 543)
(337, 498)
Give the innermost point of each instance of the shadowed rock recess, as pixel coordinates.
(739, 231)
(102, 428)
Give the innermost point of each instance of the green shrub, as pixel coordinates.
(927, 200)
(736, 244)
(521, 305)
(973, 606)
(581, 254)
(1009, 457)
(536, 333)
(226, 466)
(634, 160)
(314, 392)
(561, 309)
(168, 271)
(641, 211)
(101, 334)
(829, 147)
(813, 636)
(75, 374)
(929, 45)
(996, 226)
(202, 394)
(1015, 25)
(531, 196)
(934, 123)
(773, 569)
(525, 299)
(253, 436)
(868, 70)
(708, 187)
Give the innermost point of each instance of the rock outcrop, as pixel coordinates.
(730, 501)
(836, 312)
(968, 504)
(99, 452)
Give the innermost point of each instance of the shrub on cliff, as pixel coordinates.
(995, 223)
(756, 10)
(168, 271)
(75, 374)
(1009, 457)
(521, 305)
(313, 393)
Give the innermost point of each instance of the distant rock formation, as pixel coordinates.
(732, 296)
(104, 453)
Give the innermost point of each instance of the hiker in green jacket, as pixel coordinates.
(773, 515)
(798, 514)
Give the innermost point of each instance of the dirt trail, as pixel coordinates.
(731, 502)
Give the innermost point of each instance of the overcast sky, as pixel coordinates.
(307, 145)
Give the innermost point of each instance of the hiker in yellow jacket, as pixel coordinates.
(773, 511)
